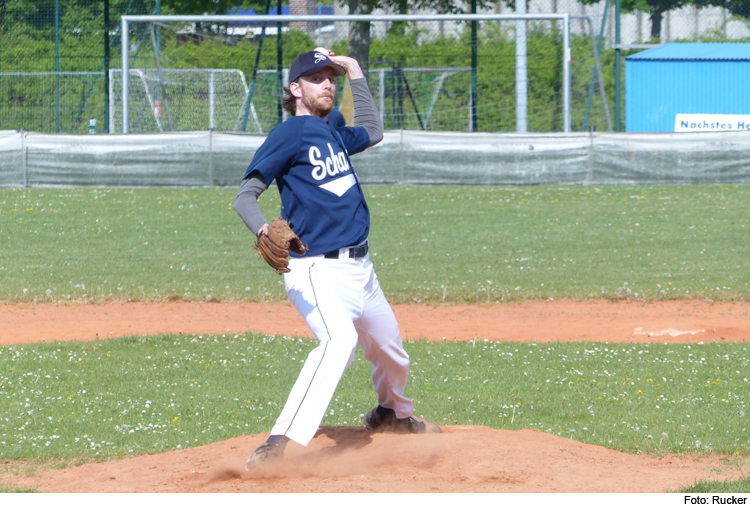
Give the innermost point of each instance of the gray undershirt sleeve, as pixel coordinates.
(365, 112)
(246, 202)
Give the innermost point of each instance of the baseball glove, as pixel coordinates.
(275, 246)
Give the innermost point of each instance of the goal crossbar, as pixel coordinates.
(563, 17)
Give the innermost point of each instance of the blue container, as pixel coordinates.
(685, 78)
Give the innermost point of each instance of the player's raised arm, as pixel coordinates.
(365, 112)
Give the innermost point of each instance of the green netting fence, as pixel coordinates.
(53, 62)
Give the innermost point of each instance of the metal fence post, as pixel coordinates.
(474, 44)
(471, 114)
(210, 157)
(284, 81)
(590, 176)
(107, 113)
(211, 101)
(125, 54)
(393, 95)
(381, 94)
(111, 88)
(401, 153)
(617, 66)
(57, 66)
(400, 94)
(566, 74)
(522, 124)
(24, 159)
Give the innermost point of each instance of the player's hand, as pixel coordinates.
(263, 230)
(353, 70)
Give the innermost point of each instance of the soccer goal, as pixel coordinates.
(181, 99)
(426, 72)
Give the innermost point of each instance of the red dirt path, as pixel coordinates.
(560, 320)
(349, 459)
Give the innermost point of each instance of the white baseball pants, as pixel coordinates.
(342, 303)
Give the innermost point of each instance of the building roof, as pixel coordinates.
(695, 52)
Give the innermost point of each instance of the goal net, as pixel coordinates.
(168, 100)
(196, 73)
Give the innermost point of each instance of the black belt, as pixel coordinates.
(354, 252)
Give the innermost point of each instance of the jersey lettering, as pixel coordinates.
(319, 172)
(331, 165)
(339, 161)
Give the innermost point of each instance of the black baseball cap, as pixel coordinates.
(310, 63)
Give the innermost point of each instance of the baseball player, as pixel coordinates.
(332, 285)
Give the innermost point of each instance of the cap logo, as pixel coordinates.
(319, 57)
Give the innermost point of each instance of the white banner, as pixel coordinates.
(409, 157)
(711, 122)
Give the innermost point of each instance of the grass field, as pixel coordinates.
(429, 244)
(741, 486)
(99, 400)
(151, 394)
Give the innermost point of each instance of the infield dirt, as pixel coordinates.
(349, 459)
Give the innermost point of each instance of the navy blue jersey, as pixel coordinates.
(336, 118)
(321, 197)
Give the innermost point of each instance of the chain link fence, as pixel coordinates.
(420, 72)
(59, 73)
(53, 62)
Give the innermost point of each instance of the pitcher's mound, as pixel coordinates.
(350, 459)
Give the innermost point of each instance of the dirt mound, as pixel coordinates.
(350, 459)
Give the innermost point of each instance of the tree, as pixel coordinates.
(657, 8)
(736, 7)
(359, 34)
(211, 6)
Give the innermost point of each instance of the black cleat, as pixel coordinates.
(264, 454)
(381, 419)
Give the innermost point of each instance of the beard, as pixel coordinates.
(319, 105)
